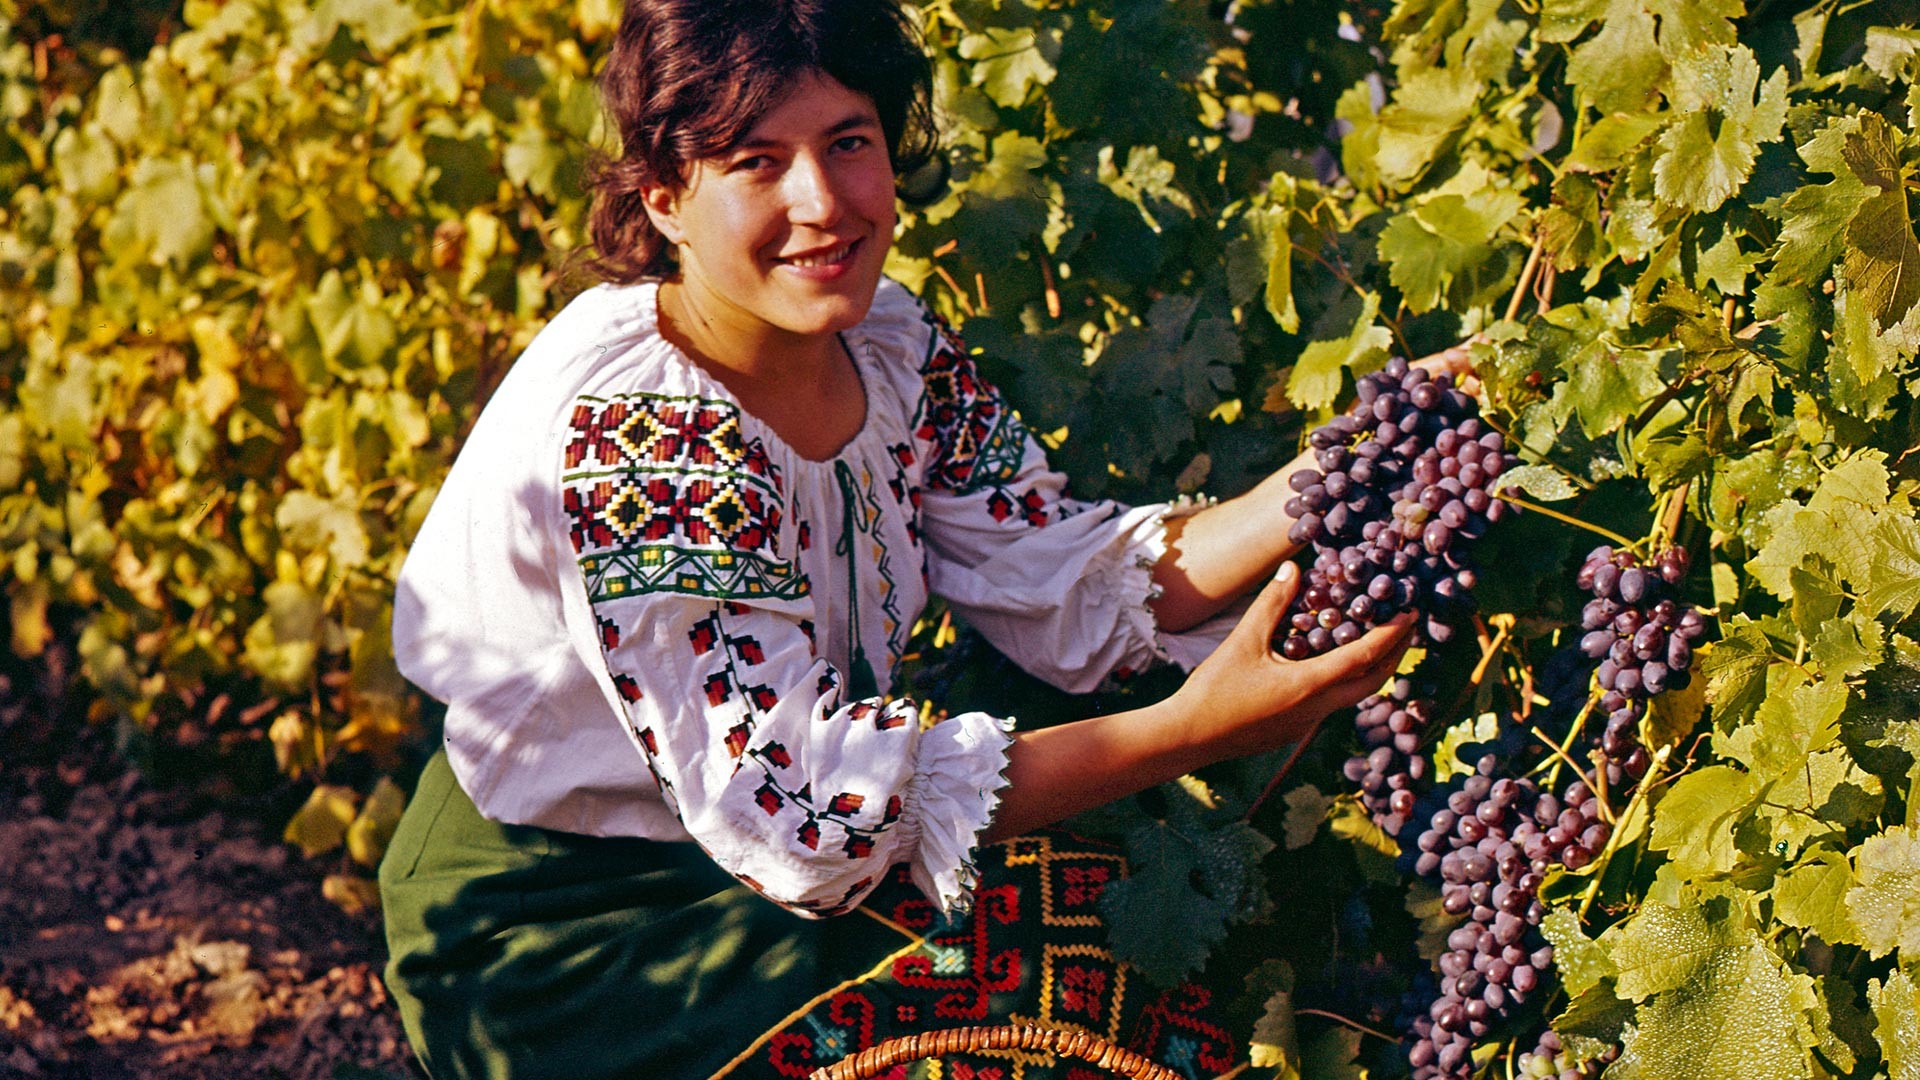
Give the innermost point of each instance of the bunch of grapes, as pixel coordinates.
(1404, 476)
(1490, 846)
(1391, 768)
(1548, 1060)
(1643, 637)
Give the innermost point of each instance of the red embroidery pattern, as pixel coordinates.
(667, 493)
(1004, 963)
(974, 440)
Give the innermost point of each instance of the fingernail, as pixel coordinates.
(1288, 572)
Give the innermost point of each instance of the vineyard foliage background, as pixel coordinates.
(255, 284)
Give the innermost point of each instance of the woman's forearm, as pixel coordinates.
(1057, 772)
(1219, 553)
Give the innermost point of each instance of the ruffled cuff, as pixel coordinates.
(1186, 648)
(956, 785)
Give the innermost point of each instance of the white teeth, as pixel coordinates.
(830, 258)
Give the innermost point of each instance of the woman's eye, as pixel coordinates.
(849, 143)
(755, 163)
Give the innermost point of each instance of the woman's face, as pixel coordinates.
(790, 228)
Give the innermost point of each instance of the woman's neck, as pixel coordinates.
(803, 386)
(742, 350)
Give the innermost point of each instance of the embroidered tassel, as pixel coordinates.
(861, 682)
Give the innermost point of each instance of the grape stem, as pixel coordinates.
(1529, 504)
(1488, 650)
(1354, 1024)
(1647, 783)
(1560, 752)
(1525, 284)
(1286, 767)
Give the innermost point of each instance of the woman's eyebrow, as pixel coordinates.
(851, 122)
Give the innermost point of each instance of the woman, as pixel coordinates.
(665, 589)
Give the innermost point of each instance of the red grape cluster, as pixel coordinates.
(1403, 477)
(1643, 637)
(1548, 1060)
(1391, 725)
(1491, 845)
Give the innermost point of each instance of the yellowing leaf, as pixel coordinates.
(320, 825)
(1886, 901)
(372, 830)
(351, 892)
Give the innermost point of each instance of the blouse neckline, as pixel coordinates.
(650, 297)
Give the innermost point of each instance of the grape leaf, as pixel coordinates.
(1736, 669)
(1581, 962)
(1693, 822)
(1542, 482)
(1010, 62)
(1620, 69)
(1797, 718)
(1882, 258)
(1895, 574)
(320, 825)
(1427, 111)
(1606, 144)
(1714, 1001)
(1307, 807)
(163, 213)
(1275, 1044)
(1156, 918)
(1708, 153)
(1896, 1014)
(1445, 239)
(1687, 26)
(1812, 895)
(1885, 901)
(1738, 1017)
(1662, 947)
(1320, 372)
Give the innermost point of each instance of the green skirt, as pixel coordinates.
(521, 953)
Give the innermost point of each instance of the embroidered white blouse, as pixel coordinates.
(650, 617)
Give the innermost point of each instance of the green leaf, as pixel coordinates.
(1693, 823)
(1714, 1000)
(1885, 903)
(1895, 573)
(1275, 1043)
(1738, 1017)
(381, 24)
(1449, 238)
(1581, 962)
(1663, 948)
(1813, 896)
(1009, 62)
(1307, 808)
(1426, 112)
(1619, 69)
(1896, 1014)
(1278, 221)
(1320, 372)
(1543, 483)
(1882, 258)
(162, 212)
(1610, 140)
(283, 643)
(1709, 151)
(312, 523)
(1156, 918)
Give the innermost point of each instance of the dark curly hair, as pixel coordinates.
(687, 79)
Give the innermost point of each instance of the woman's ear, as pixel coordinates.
(663, 209)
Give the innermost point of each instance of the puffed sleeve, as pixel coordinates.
(1058, 584)
(701, 612)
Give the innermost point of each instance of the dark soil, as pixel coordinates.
(143, 934)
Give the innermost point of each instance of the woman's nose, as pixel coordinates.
(813, 193)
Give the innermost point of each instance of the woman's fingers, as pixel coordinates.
(1270, 606)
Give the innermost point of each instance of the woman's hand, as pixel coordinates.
(1456, 361)
(1246, 698)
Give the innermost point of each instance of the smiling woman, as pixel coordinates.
(681, 827)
